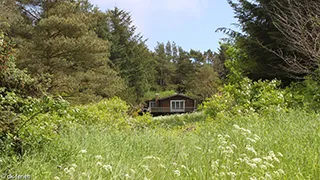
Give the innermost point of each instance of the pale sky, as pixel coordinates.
(190, 23)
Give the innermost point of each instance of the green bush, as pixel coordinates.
(244, 96)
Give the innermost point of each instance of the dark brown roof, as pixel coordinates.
(182, 95)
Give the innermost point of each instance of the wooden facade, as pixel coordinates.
(177, 103)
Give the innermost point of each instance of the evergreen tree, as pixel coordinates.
(64, 45)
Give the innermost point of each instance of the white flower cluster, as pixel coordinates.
(231, 166)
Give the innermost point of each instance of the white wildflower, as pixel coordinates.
(268, 164)
(279, 154)
(232, 174)
(127, 175)
(173, 163)
(99, 163)
(145, 178)
(84, 174)
(252, 165)
(176, 172)
(267, 175)
(276, 159)
(146, 168)
(162, 166)
(222, 174)
(83, 151)
(98, 157)
(197, 147)
(74, 165)
(268, 158)
(184, 167)
(66, 170)
(256, 160)
(132, 171)
(107, 167)
(233, 146)
(251, 149)
(152, 157)
(281, 171)
(256, 137)
(276, 173)
(236, 126)
(56, 178)
(264, 167)
(72, 170)
(253, 178)
(251, 140)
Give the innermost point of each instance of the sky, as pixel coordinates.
(191, 24)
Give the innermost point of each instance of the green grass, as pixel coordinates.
(282, 146)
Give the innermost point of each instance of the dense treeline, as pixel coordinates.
(84, 54)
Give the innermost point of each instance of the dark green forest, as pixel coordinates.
(60, 54)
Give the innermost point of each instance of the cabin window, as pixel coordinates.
(152, 104)
(177, 105)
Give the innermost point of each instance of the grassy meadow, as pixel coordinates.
(277, 146)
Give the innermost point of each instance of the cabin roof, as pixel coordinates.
(168, 97)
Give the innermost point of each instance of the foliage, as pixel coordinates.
(152, 95)
(242, 95)
(62, 43)
(241, 147)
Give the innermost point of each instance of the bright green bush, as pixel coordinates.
(244, 96)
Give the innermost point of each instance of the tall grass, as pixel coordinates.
(278, 146)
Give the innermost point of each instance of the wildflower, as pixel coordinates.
(66, 170)
(281, 171)
(233, 146)
(276, 173)
(98, 157)
(256, 160)
(268, 158)
(83, 151)
(145, 178)
(127, 175)
(74, 165)
(176, 172)
(251, 149)
(173, 163)
(72, 170)
(162, 166)
(107, 167)
(276, 159)
(152, 157)
(222, 174)
(232, 174)
(253, 178)
(56, 178)
(256, 137)
(184, 167)
(197, 147)
(146, 168)
(236, 126)
(279, 154)
(268, 164)
(251, 140)
(267, 175)
(132, 171)
(99, 163)
(83, 174)
(252, 165)
(263, 167)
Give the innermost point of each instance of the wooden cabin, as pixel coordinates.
(177, 103)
